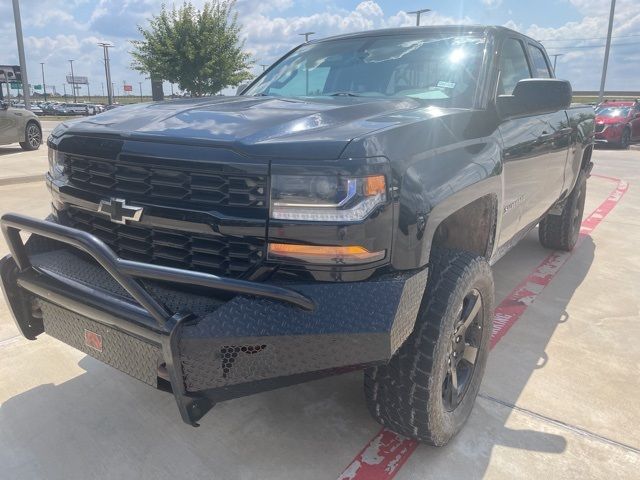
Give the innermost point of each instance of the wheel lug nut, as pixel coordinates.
(455, 354)
(458, 339)
(449, 361)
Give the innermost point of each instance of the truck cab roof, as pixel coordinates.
(436, 29)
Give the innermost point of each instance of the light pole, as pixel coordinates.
(64, 87)
(21, 57)
(88, 91)
(107, 71)
(306, 36)
(113, 90)
(555, 59)
(44, 84)
(418, 13)
(606, 51)
(140, 83)
(73, 83)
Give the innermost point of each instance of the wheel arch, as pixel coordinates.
(471, 228)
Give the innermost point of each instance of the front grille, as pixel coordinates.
(208, 187)
(227, 256)
(600, 128)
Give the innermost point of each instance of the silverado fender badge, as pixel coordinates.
(119, 211)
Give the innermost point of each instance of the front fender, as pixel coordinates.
(439, 185)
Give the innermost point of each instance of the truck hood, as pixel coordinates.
(283, 127)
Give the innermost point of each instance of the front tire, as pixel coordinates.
(33, 137)
(625, 140)
(428, 388)
(560, 232)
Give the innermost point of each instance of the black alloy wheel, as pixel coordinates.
(463, 350)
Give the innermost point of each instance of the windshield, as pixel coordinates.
(440, 70)
(614, 111)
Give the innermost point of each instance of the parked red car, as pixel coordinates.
(618, 123)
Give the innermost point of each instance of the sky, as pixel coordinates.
(58, 30)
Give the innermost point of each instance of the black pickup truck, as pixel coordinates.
(342, 213)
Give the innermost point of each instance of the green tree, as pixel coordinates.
(200, 50)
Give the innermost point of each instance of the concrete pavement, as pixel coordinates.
(559, 399)
(18, 166)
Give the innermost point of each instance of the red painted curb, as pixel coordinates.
(387, 452)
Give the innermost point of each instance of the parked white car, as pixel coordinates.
(19, 125)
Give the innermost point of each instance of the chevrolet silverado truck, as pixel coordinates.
(341, 214)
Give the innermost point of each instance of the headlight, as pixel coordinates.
(56, 163)
(326, 198)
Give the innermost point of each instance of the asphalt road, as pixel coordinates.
(559, 400)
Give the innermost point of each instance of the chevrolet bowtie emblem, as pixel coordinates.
(119, 211)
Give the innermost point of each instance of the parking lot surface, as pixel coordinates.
(559, 399)
(18, 166)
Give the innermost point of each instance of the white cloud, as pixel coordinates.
(492, 3)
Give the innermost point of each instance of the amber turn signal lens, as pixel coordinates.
(324, 255)
(374, 185)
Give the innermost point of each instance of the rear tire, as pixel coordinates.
(33, 137)
(560, 232)
(414, 393)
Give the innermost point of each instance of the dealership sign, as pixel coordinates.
(76, 80)
(128, 88)
(10, 73)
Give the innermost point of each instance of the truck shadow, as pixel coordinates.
(103, 424)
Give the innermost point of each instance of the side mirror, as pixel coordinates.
(241, 88)
(535, 96)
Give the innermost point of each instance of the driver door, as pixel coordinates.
(534, 150)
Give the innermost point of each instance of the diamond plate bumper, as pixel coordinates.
(249, 338)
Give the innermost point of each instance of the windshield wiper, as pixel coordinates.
(344, 94)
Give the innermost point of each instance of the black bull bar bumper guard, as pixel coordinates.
(264, 337)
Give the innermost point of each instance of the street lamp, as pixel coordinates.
(140, 83)
(21, 56)
(107, 70)
(555, 59)
(306, 36)
(73, 83)
(606, 51)
(417, 13)
(44, 85)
